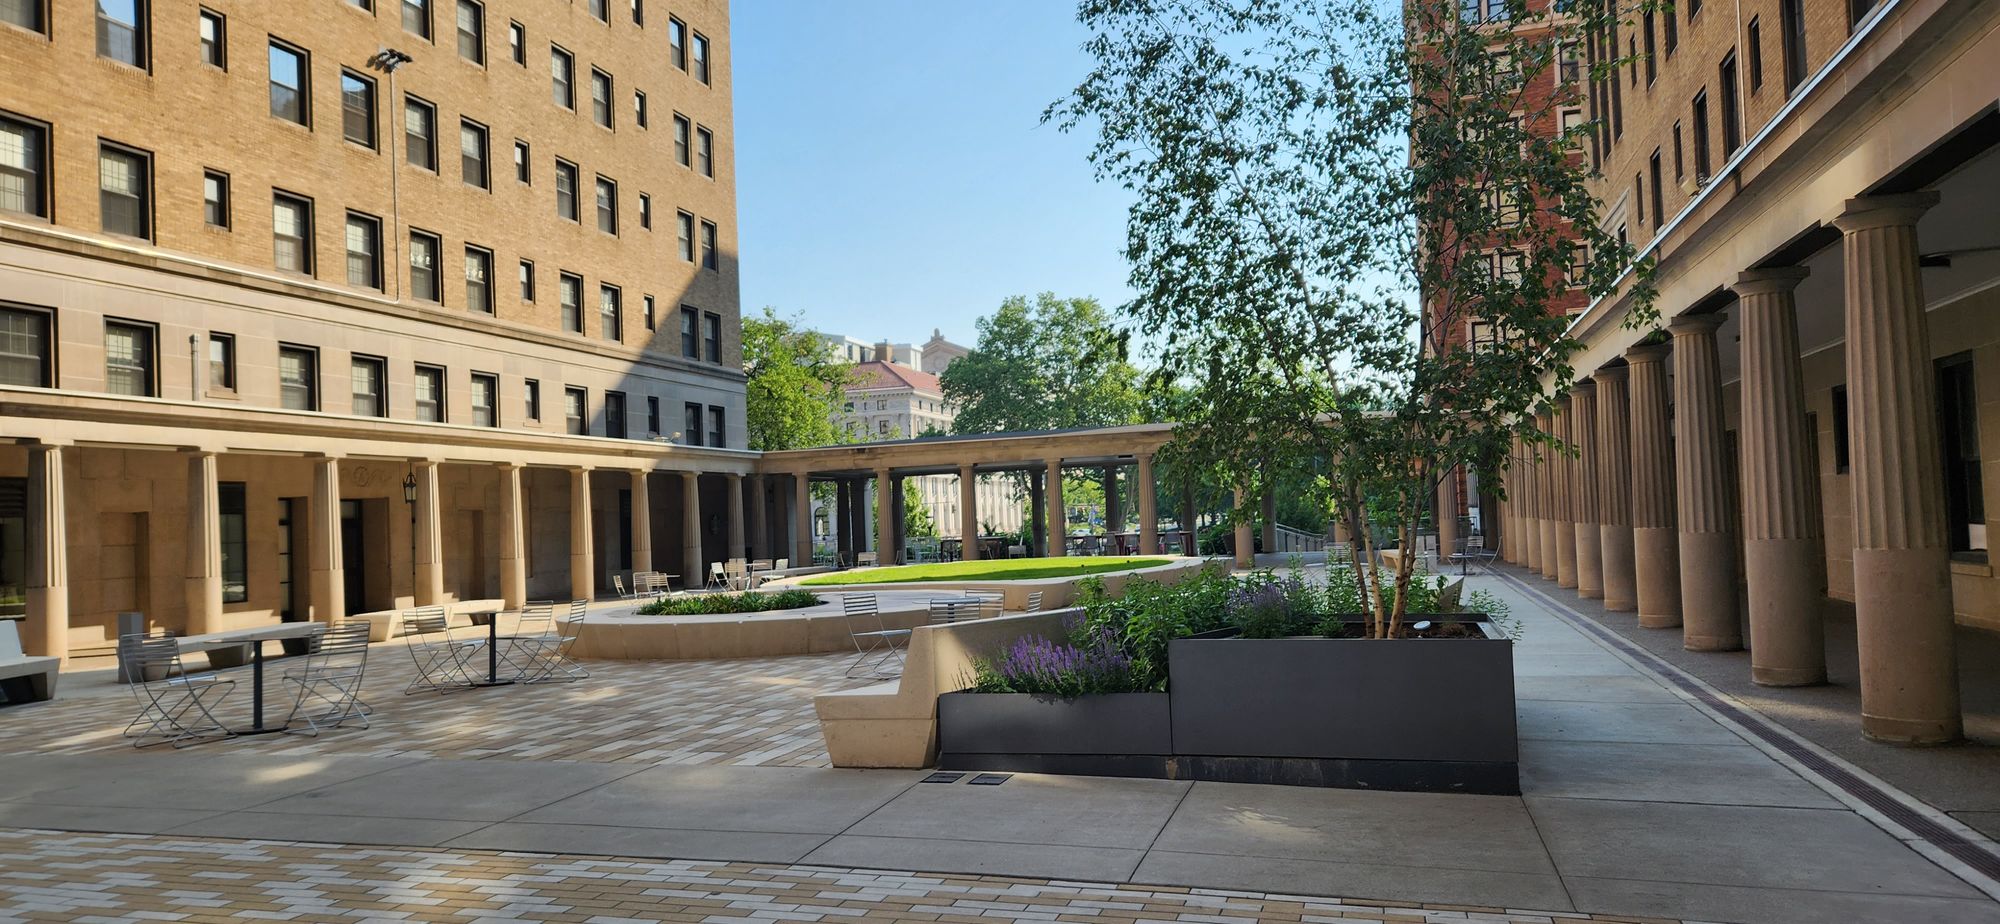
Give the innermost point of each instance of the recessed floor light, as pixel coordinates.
(943, 777)
(989, 779)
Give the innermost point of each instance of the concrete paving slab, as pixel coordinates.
(1356, 882)
(465, 790)
(1627, 689)
(1570, 664)
(330, 829)
(783, 800)
(1654, 723)
(612, 841)
(1712, 774)
(1733, 904)
(121, 819)
(1491, 833)
(195, 781)
(1734, 845)
(1987, 823)
(1073, 811)
(1091, 864)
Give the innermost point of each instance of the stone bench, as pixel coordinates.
(24, 678)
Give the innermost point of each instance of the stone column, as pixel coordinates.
(1037, 509)
(694, 571)
(802, 520)
(968, 512)
(1708, 533)
(1548, 501)
(48, 554)
(1188, 516)
(1114, 508)
(582, 551)
(1564, 494)
(1058, 527)
(1583, 493)
(1656, 555)
(1149, 506)
(885, 518)
(736, 549)
(760, 519)
(843, 544)
(329, 576)
(1902, 566)
(204, 545)
(1268, 518)
(642, 521)
(513, 538)
(429, 526)
(1614, 489)
(1245, 551)
(1784, 554)
(1531, 504)
(1447, 514)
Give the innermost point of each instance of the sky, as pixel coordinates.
(893, 175)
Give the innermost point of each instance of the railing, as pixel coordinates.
(1298, 540)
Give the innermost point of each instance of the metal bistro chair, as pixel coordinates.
(534, 629)
(864, 622)
(1034, 602)
(439, 658)
(991, 603)
(718, 579)
(948, 611)
(335, 664)
(618, 586)
(552, 660)
(175, 708)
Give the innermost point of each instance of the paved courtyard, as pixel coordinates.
(698, 791)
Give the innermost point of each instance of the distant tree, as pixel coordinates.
(795, 386)
(916, 514)
(1054, 363)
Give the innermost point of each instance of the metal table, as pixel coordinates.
(492, 620)
(255, 638)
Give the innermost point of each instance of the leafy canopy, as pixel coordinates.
(795, 386)
(1050, 364)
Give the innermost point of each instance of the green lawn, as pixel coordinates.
(1012, 569)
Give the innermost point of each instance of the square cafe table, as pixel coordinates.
(255, 638)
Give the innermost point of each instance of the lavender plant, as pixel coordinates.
(1090, 662)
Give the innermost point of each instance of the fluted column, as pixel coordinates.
(1114, 506)
(1656, 554)
(694, 572)
(429, 539)
(1058, 525)
(968, 512)
(1614, 489)
(582, 550)
(760, 518)
(1149, 506)
(1548, 497)
(329, 576)
(1564, 494)
(802, 517)
(48, 554)
(1784, 555)
(642, 521)
(1708, 531)
(1531, 504)
(1583, 493)
(513, 538)
(203, 585)
(1267, 519)
(736, 549)
(1902, 568)
(886, 495)
(1447, 514)
(1246, 554)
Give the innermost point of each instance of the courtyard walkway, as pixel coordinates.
(1645, 796)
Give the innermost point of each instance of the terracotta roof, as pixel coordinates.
(878, 374)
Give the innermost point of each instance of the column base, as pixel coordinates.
(1589, 562)
(1621, 592)
(46, 631)
(1909, 660)
(1550, 552)
(1659, 620)
(1712, 642)
(1916, 733)
(1708, 592)
(1565, 554)
(1787, 636)
(1785, 676)
(1656, 558)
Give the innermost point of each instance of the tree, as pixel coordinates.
(1330, 196)
(795, 385)
(916, 514)
(1052, 364)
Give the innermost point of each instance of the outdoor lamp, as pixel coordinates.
(410, 488)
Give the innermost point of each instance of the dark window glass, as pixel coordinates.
(424, 266)
(24, 167)
(717, 433)
(701, 57)
(562, 78)
(690, 333)
(221, 362)
(291, 233)
(471, 31)
(691, 415)
(1653, 166)
(232, 523)
(1958, 430)
(485, 400)
(479, 280)
(614, 414)
(607, 205)
(298, 378)
(357, 108)
(677, 43)
(527, 281)
(128, 358)
(517, 43)
(214, 36)
(28, 14)
(1792, 22)
(420, 133)
(367, 377)
(1701, 173)
(610, 313)
(1755, 40)
(417, 17)
(600, 97)
(291, 98)
(531, 397)
(711, 336)
(683, 152)
(1732, 124)
(125, 191)
(566, 190)
(429, 387)
(686, 236)
(472, 153)
(704, 152)
(572, 302)
(364, 251)
(576, 411)
(708, 257)
(652, 415)
(1840, 429)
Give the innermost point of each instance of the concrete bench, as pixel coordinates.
(384, 625)
(24, 678)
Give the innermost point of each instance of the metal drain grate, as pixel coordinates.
(943, 776)
(990, 779)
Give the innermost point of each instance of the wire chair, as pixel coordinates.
(330, 681)
(534, 630)
(552, 657)
(439, 658)
(175, 708)
(864, 623)
(1034, 602)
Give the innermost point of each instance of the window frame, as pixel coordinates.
(476, 255)
(376, 280)
(577, 424)
(303, 90)
(380, 365)
(531, 400)
(699, 58)
(677, 33)
(440, 400)
(566, 81)
(308, 243)
(142, 34)
(599, 188)
(684, 221)
(373, 140)
(565, 168)
(146, 195)
(526, 277)
(311, 383)
(492, 383)
(429, 144)
(226, 344)
(711, 336)
(485, 161)
(683, 140)
(604, 108)
(690, 333)
(46, 361)
(149, 334)
(710, 238)
(615, 424)
(436, 270)
(570, 311)
(524, 163)
(222, 200)
(704, 152)
(610, 312)
(479, 29)
(216, 56)
(428, 32)
(39, 11)
(36, 182)
(517, 42)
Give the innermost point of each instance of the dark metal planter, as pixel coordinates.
(1111, 734)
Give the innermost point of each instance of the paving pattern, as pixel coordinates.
(50, 876)
(748, 712)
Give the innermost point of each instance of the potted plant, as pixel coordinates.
(1057, 706)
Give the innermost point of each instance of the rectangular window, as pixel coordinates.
(690, 333)
(683, 151)
(614, 414)
(1680, 168)
(648, 315)
(128, 358)
(231, 523)
(1569, 63)
(646, 211)
(639, 107)
(708, 257)
(566, 190)
(1701, 173)
(517, 43)
(291, 83)
(1792, 26)
(531, 399)
(527, 281)
(576, 412)
(523, 168)
(298, 378)
(1732, 123)
(1958, 430)
(357, 108)
(1653, 166)
(691, 415)
(610, 313)
(472, 31)
(215, 199)
(221, 362)
(291, 233)
(686, 236)
(701, 57)
(472, 153)
(364, 250)
(478, 279)
(1840, 429)
(1652, 64)
(28, 14)
(417, 18)
(424, 266)
(420, 133)
(711, 336)
(652, 415)
(122, 33)
(600, 10)
(1754, 38)
(571, 296)
(214, 36)
(704, 152)
(25, 353)
(1858, 10)
(24, 167)
(677, 43)
(429, 394)
(1672, 31)
(125, 190)
(607, 205)
(485, 400)
(717, 432)
(367, 380)
(562, 77)
(600, 97)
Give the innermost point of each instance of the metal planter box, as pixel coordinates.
(1432, 715)
(1112, 734)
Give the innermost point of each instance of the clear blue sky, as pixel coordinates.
(892, 172)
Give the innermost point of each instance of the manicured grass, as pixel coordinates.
(1012, 569)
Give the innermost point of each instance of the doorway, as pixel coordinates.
(353, 548)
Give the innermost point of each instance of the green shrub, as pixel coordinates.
(749, 601)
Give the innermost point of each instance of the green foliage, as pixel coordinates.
(916, 514)
(749, 601)
(1052, 364)
(1012, 569)
(1149, 615)
(795, 387)
(1086, 663)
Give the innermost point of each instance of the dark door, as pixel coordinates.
(352, 549)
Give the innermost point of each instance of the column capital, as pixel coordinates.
(1583, 388)
(733, 476)
(331, 456)
(1694, 325)
(1863, 213)
(580, 469)
(1766, 281)
(1606, 374)
(509, 466)
(1647, 353)
(46, 443)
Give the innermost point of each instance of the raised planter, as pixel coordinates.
(1112, 734)
(1422, 714)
